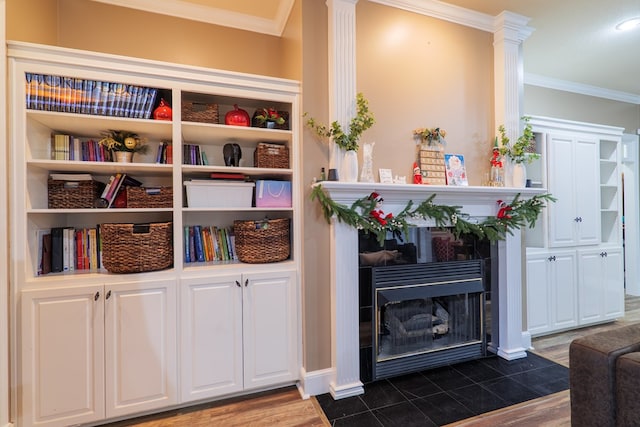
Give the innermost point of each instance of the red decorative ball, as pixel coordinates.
(163, 112)
(237, 117)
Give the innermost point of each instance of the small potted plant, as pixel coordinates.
(270, 116)
(347, 141)
(517, 154)
(123, 144)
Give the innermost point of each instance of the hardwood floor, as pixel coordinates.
(285, 408)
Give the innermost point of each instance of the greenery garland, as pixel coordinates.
(361, 215)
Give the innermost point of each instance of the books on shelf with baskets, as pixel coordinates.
(204, 243)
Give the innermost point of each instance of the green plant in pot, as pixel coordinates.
(120, 142)
(347, 140)
(270, 116)
(517, 154)
(519, 151)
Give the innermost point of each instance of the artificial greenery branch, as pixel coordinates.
(518, 214)
(518, 151)
(348, 140)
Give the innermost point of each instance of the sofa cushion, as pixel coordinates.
(592, 378)
(628, 390)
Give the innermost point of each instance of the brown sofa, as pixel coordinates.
(604, 377)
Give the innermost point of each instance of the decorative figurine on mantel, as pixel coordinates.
(497, 168)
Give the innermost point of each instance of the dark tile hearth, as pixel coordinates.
(451, 393)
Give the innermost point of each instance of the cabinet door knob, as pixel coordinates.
(108, 294)
(603, 254)
(578, 219)
(96, 296)
(552, 258)
(246, 283)
(238, 284)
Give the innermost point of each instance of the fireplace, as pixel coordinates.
(420, 316)
(508, 338)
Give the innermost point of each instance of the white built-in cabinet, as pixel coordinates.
(575, 272)
(98, 351)
(90, 346)
(255, 322)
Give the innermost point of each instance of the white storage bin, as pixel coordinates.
(219, 194)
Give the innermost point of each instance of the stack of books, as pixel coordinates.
(209, 243)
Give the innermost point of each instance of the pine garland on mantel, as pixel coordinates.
(364, 215)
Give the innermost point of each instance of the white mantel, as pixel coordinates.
(508, 338)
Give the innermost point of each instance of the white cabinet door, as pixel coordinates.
(574, 180)
(140, 337)
(211, 334)
(551, 291)
(62, 365)
(270, 329)
(538, 297)
(587, 190)
(601, 288)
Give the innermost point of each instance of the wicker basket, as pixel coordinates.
(136, 248)
(271, 156)
(73, 194)
(260, 242)
(156, 197)
(199, 112)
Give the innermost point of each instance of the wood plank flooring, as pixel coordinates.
(285, 408)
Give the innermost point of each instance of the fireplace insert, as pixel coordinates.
(420, 316)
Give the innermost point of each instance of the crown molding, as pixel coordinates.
(210, 15)
(580, 88)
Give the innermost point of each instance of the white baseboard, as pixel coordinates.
(315, 382)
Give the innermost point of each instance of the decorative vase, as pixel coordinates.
(349, 169)
(515, 174)
(123, 156)
(366, 175)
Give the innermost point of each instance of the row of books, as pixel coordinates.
(192, 155)
(209, 243)
(165, 153)
(74, 95)
(67, 249)
(69, 147)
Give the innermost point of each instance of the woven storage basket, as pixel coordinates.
(135, 248)
(73, 194)
(271, 156)
(199, 112)
(262, 241)
(141, 197)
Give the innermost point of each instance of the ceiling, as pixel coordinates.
(574, 45)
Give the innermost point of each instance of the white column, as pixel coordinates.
(345, 336)
(342, 68)
(345, 360)
(510, 31)
(510, 340)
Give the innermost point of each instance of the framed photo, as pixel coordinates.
(386, 176)
(455, 169)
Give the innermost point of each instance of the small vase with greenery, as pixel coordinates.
(348, 140)
(122, 140)
(520, 151)
(270, 116)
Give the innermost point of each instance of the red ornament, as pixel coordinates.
(163, 112)
(237, 117)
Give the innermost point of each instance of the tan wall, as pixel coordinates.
(418, 71)
(33, 21)
(541, 101)
(100, 27)
(316, 284)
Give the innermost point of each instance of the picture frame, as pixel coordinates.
(455, 170)
(386, 176)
